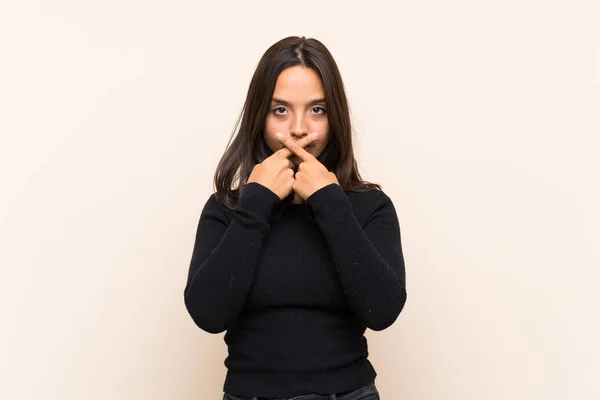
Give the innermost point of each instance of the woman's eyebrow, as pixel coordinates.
(285, 103)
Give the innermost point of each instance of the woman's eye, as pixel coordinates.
(282, 110)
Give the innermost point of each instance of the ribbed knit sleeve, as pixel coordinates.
(369, 261)
(224, 257)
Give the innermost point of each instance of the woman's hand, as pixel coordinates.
(311, 175)
(276, 171)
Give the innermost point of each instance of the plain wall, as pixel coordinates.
(480, 119)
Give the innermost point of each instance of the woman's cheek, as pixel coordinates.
(271, 128)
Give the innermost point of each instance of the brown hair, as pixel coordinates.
(249, 146)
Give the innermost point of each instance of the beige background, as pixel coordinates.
(480, 119)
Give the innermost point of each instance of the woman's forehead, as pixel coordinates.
(298, 84)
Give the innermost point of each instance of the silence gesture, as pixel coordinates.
(276, 172)
(311, 175)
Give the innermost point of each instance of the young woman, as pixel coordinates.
(302, 255)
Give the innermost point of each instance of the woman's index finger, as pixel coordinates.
(297, 147)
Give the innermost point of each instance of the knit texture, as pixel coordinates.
(296, 297)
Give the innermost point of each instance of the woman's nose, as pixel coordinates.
(299, 127)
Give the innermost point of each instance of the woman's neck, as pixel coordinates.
(297, 199)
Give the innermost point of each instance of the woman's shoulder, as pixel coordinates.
(369, 197)
(219, 206)
(367, 202)
(227, 199)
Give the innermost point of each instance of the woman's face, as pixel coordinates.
(297, 109)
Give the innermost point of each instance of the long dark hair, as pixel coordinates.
(249, 147)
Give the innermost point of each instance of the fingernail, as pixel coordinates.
(279, 135)
(315, 135)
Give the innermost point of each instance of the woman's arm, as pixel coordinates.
(225, 256)
(369, 261)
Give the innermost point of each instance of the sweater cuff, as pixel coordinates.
(328, 199)
(258, 200)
